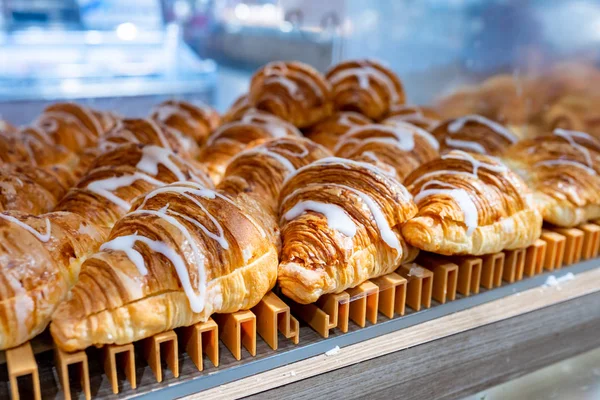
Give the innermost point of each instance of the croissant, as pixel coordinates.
(328, 131)
(151, 132)
(72, 126)
(40, 259)
(470, 204)
(475, 134)
(365, 86)
(119, 176)
(29, 189)
(340, 225)
(237, 110)
(195, 121)
(185, 253)
(34, 147)
(401, 146)
(232, 138)
(577, 113)
(563, 171)
(293, 91)
(423, 117)
(261, 170)
(6, 127)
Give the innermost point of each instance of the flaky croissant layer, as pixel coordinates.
(340, 224)
(470, 204)
(40, 259)
(184, 253)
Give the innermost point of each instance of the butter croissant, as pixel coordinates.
(340, 225)
(148, 131)
(365, 86)
(423, 117)
(29, 189)
(328, 131)
(86, 215)
(470, 204)
(261, 170)
(563, 171)
(399, 145)
(237, 110)
(117, 177)
(73, 126)
(232, 138)
(474, 134)
(184, 253)
(40, 259)
(293, 91)
(196, 121)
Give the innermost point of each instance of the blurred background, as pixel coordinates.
(128, 55)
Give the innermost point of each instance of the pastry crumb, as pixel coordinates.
(333, 351)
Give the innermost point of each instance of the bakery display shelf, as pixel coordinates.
(190, 360)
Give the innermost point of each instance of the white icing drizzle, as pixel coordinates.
(344, 119)
(165, 111)
(576, 164)
(466, 145)
(459, 123)
(290, 86)
(279, 73)
(152, 156)
(346, 163)
(460, 197)
(476, 164)
(277, 157)
(388, 236)
(403, 132)
(159, 132)
(568, 136)
(105, 187)
(336, 216)
(363, 74)
(276, 126)
(126, 243)
(370, 155)
(42, 237)
(220, 237)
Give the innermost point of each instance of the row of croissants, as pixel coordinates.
(117, 229)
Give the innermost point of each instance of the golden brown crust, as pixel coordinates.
(73, 126)
(328, 131)
(234, 137)
(293, 91)
(563, 171)
(151, 132)
(365, 86)
(470, 204)
(39, 261)
(261, 170)
(117, 177)
(237, 110)
(340, 222)
(475, 134)
(29, 189)
(400, 146)
(191, 273)
(423, 117)
(196, 121)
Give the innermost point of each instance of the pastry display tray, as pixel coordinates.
(559, 263)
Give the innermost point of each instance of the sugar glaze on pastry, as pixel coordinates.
(470, 204)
